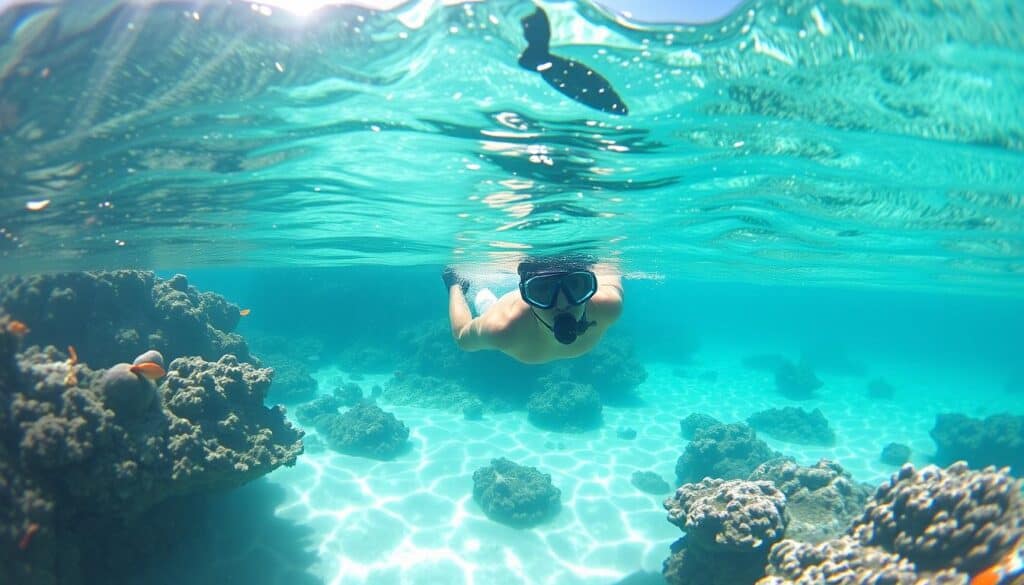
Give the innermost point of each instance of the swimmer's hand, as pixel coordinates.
(451, 278)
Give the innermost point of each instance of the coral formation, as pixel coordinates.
(649, 482)
(292, 382)
(109, 316)
(361, 357)
(945, 518)
(308, 412)
(730, 526)
(427, 392)
(880, 389)
(688, 426)
(842, 560)
(796, 382)
(364, 430)
(725, 451)
(348, 394)
(895, 454)
(822, 500)
(794, 425)
(831, 357)
(515, 495)
(998, 440)
(733, 515)
(565, 406)
(929, 527)
(78, 451)
(613, 370)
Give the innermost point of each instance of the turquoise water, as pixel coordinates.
(826, 143)
(838, 183)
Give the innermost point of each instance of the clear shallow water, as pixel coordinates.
(783, 178)
(843, 143)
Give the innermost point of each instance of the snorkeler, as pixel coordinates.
(561, 310)
(572, 78)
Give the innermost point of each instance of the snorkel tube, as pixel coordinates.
(565, 327)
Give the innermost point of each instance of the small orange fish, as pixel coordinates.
(245, 312)
(72, 355)
(149, 370)
(26, 539)
(18, 328)
(1008, 571)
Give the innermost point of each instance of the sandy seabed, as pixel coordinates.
(413, 519)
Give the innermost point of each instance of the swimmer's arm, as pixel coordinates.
(608, 298)
(469, 333)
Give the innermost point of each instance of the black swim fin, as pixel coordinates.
(572, 78)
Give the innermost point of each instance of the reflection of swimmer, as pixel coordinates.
(561, 310)
(572, 78)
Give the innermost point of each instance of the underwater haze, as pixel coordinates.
(225, 347)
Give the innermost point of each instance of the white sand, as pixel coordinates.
(413, 520)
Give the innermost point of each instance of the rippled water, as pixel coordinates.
(817, 142)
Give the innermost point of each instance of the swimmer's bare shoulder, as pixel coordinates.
(499, 327)
(606, 304)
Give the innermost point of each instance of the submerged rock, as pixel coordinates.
(895, 454)
(565, 406)
(366, 431)
(515, 495)
(650, 482)
(794, 425)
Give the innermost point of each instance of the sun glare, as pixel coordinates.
(305, 7)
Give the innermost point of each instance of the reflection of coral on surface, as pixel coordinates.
(794, 425)
(515, 495)
(364, 430)
(564, 405)
(730, 526)
(726, 451)
(822, 500)
(998, 440)
(112, 445)
(110, 316)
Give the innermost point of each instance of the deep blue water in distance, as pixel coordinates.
(664, 320)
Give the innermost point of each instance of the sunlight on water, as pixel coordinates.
(824, 142)
(817, 210)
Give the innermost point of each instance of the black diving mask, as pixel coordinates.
(541, 290)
